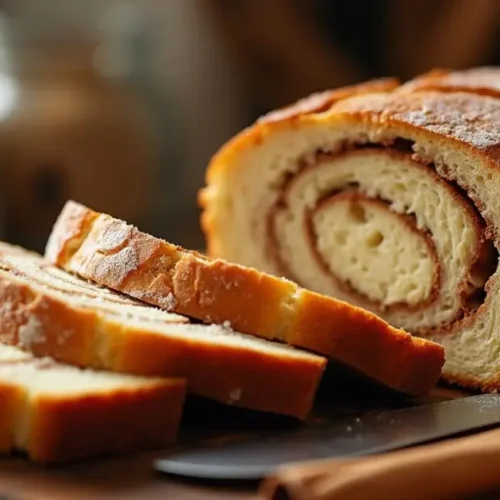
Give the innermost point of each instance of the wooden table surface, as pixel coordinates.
(132, 477)
(124, 478)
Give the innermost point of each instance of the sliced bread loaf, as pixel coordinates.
(55, 412)
(52, 313)
(112, 253)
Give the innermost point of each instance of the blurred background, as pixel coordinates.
(120, 104)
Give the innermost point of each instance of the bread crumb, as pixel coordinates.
(227, 325)
(117, 266)
(164, 302)
(235, 395)
(31, 332)
(114, 238)
(168, 302)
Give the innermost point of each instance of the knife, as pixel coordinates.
(367, 434)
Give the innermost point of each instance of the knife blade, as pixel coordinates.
(348, 437)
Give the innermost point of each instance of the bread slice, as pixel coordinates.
(52, 313)
(386, 200)
(59, 413)
(111, 253)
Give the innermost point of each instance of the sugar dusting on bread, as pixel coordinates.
(168, 302)
(118, 265)
(115, 239)
(31, 332)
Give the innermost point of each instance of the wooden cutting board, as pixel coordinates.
(124, 478)
(132, 477)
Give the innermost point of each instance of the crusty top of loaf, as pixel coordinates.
(481, 80)
(428, 109)
(76, 291)
(81, 293)
(322, 101)
(470, 119)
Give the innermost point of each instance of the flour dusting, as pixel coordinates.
(31, 332)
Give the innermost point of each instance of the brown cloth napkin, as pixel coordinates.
(445, 470)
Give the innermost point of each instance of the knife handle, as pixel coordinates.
(445, 470)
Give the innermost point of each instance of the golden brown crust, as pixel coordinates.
(482, 80)
(324, 325)
(249, 374)
(21, 303)
(347, 333)
(473, 383)
(468, 120)
(236, 377)
(76, 224)
(471, 120)
(253, 302)
(70, 428)
(11, 396)
(322, 101)
(217, 291)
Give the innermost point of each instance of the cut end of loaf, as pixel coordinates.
(385, 200)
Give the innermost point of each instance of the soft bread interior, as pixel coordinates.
(10, 354)
(35, 391)
(365, 244)
(225, 336)
(394, 272)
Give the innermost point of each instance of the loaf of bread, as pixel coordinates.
(387, 200)
(51, 313)
(109, 252)
(57, 413)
